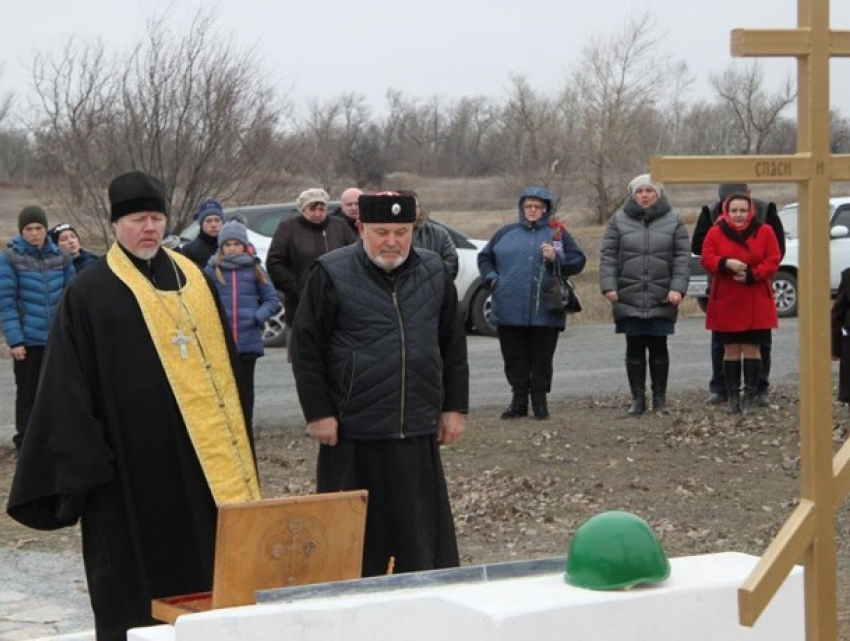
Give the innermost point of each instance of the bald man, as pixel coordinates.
(349, 210)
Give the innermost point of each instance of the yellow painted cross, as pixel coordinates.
(809, 534)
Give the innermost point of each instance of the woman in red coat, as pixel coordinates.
(742, 255)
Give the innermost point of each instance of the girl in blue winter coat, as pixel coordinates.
(248, 298)
(516, 265)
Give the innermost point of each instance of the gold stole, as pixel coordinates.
(203, 382)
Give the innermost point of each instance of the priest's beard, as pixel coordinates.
(145, 254)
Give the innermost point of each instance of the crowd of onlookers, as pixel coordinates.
(644, 259)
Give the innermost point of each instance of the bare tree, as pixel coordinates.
(16, 154)
(336, 141)
(6, 100)
(615, 93)
(707, 130)
(470, 129)
(415, 132)
(756, 110)
(537, 136)
(191, 109)
(840, 133)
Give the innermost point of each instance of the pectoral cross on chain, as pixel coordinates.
(181, 340)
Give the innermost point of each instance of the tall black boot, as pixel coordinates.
(636, 373)
(518, 407)
(752, 373)
(732, 374)
(539, 405)
(658, 371)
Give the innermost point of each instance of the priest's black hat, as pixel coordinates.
(136, 191)
(387, 207)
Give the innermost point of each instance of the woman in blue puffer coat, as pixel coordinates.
(248, 298)
(516, 265)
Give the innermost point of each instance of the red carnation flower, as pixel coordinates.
(558, 228)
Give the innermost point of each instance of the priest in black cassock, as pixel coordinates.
(380, 363)
(138, 431)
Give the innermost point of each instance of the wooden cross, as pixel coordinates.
(809, 534)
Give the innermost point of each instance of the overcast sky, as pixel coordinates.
(453, 48)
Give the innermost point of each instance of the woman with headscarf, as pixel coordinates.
(643, 272)
(742, 255)
(516, 265)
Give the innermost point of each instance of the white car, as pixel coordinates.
(262, 222)
(785, 289)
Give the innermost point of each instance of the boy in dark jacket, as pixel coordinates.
(210, 218)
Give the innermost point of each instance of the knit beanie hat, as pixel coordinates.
(645, 181)
(210, 207)
(31, 214)
(727, 189)
(233, 230)
(56, 231)
(136, 191)
(310, 196)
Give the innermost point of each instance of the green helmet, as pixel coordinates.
(615, 550)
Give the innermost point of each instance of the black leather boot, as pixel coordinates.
(752, 373)
(732, 374)
(539, 405)
(659, 368)
(518, 407)
(636, 373)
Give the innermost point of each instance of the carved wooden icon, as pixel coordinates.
(278, 543)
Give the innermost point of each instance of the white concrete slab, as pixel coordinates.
(698, 603)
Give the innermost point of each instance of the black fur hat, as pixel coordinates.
(387, 207)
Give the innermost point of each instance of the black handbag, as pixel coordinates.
(561, 296)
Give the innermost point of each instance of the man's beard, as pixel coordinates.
(387, 264)
(145, 254)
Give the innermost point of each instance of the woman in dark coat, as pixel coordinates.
(644, 266)
(742, 255)
(841, 336)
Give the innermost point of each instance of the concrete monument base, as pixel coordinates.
(698, 603)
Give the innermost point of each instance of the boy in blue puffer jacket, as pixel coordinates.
(33, 274)
(248, 298)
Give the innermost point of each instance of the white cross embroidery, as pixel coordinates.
(181, 340)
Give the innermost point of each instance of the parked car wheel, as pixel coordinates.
(274, 332)
(785, 293)
(479, 313)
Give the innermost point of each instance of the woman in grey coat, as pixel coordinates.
(643, 272)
